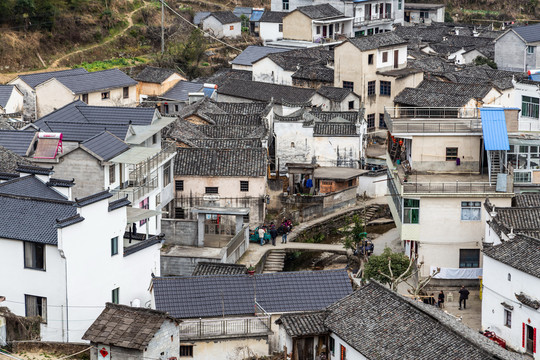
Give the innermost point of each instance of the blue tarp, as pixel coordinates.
(494, 129)
(256, 15)
(535, 77)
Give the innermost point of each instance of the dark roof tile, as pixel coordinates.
(530, 33)
(95, 81)
(377, 41)
(273, 16)
(30, 186)
(156, 75)
(5, 94)
(212, 268)
(105, 145)
(304, 324)
(261, 91)
(253, 53)
(16, 140)
(320, 11)
(334, 93)
(521, 253)
(37, 78)
(224, 17)
(180, 91)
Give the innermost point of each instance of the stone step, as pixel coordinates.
(276, 256)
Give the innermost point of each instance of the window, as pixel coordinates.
(280, 27)
(125, 91)
(34, 256)
(158, 200)
(231, 27)
(292, 144)
(411, 211)
(371, 121)
(371, 88)
(285, 4)
(179, 213)
(245, 218)
(382, 123)
(351, 105)
(85, 98)
(507, 318)
(331, 29)
(211, 190)
(244, 185)
(187, 350)
(112, 173)
(470, 210)
(167, 173)
(385, 56)
(370, 31)
(348, 85)
(343, 353)
(332, 345)
(522, 177)
(337, 28)
(105, 95)
(386, 88)
(144, 205)
(179, 185)
(166, 108)
(114, 246)
(451, 153)
(530, 49)
(370, 59)
(154, 139)
(318, 30)
(530, 106)
(509, 277)
(36, 306)
(399, 4)
(469, 258)
(176, 108)
(115, 298)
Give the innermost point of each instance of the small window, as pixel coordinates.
(179, 185)
(348, 85)
(522, 177)
(34, 256)
(351, 105)
(507, 318)
(451, 153)
(350, 183)
(318, 30)
(471, 210)
(211, 190)
(187, 350)
(371, 121)
(126, 92)
(469, 258)
(509, 277)
(343, 353)
(332, 345)
(292, 144)
(85, 98)
(158, 201)
(231, 27)
(386, 88)
(244, 185)
(385, 56)
(245, 218)
(370, 59)
(144, 205)
(411, 211)
(112, 173)
(154, 139)
(280, 27)
(370, 31)
(36, 306)
(167, 173)
(285, 4)
(114, 246)
(530, 49)
(176, 108)
(179, 213)
(115, 298)
(371, 88)
(166, 108)
(382, 123)
(399, 4)
(105, 95)
(530, 107)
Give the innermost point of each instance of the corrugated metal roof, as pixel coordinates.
(494, 129)
(256, 15)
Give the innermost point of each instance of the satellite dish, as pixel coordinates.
(136, 303)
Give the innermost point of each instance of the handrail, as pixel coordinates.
(193, 329)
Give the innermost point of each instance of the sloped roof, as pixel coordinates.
(273, 16)
(105, 145)
(261, 91)
(292, 59)
(530, 33)
(237, 119)
(156, 75)
(526, 200)
(334, 93)
(316, 72)
(212, 268)
(9, 160)
(125, 326)
(253, 53)
(472, 90)
(180, 91)
(377, 41)
(199, 16)
(95, 81)
(249, 162)
(227, 143)
(223, 75)
(304, 324)
(5, 94)
(410, 6)
(16, 140)
(35, 79)
(242, 108)
(224, 17)
(321, 11)
(232, 132)
(423, 98)
(521, 253)
(334, 129)
(30, 186)
(494, 129)
(235, 294)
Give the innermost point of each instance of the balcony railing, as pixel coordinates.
(432, 120)
(136, 192)
(365, 20)
(227, 327)
(144, 168)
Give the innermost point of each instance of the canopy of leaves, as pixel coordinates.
(355, 233)
(187, 55)
(480, 60)
(378, 264)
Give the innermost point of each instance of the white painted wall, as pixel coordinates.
(351, 353)
(389, 64)
(219, 30)
(229, 349)
(14, 104)
(520, 90)
(29, 98)
(269, 31)
(372, 186)
(266, 70)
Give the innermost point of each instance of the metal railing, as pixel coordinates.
(454, 187)
(362, 20)
(200, 329)
(144, 168)
(136, 192)
(432, 120)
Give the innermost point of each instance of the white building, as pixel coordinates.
(67, 258)
(423, 13)
(271, 26)
(11, 99)
(251, 54)
(376, 16)
(526, 96)
(222, 24)
(511, 280)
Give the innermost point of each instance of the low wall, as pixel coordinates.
(238, 245)
(304, 208)
(184, 266)
(50, 347)
(339, 200)
(179, 232)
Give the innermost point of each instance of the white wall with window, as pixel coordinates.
(524, 157)
(526, 97)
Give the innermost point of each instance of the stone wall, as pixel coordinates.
(176, 266)
(48, 347)
(165, 344)
(179, 232)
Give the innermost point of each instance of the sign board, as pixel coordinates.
(104, 352)
(211, 197)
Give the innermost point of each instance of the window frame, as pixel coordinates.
(371, 86)
(452, 153)
(280, 27)
(167, 173)
(351, 105)
(370, 118)
(463, 264)
(411, 211)
(245, 219)
(385, 88)
(507, 318)
(125, 92)
(106, 95)
(210, 190)
(531, 49)
(467, 207)
(332, 345)
(31, 246)
(370, 59)
(179, 211)
(529, 107)
(114, 246)
(187, 351)
(115, 295)
(382, 122)
(348, 85)
(85, 98)
(43, 313)
(112, 173)
(244, 185)
(179, 185)
(384, 57)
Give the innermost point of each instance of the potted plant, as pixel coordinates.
(251, 270)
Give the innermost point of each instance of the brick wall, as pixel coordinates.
(179, 232)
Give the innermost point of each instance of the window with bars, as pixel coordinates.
(530, 107)
(469, 258)
(112, 173)
(285, 4)
(451, 153)
(371, 121)
(382, 123)
(179, 213)
(348, 85)
(386, 88)
(371, 88)
(179, 185)
(211, 190)
(186, 350)
(507, 318)
(244, 185)
(36, 306)
(280, 28)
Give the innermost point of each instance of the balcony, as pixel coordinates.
(385, 18)
(225, 328)
(133, 192)
(426, 120)
(142, 169)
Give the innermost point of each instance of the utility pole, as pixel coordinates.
(162, 27)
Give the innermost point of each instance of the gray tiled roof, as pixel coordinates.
(381, 324)
(151, 74)
(16, 140)
(423, 98)
(220, 162)
(442, 87)
(33, 169)
(237, 119)
(227, 143)
(315, 72)
(522, 253)
(117, 204)
(530, 33)
(105, 145)
(90, 199)
(31, 219)
(199, 16)
(422, 33)
(320, 11)
(484, 75)
(221, 76)
(61, 182)
(261, 91)
(273, 16)
(9, 160)
(334, 93)
(62, 223)
(225, 17)
(235, 294)
(291, 60)
(125, 326)
(37, 78)
(242, 108)
(232, 132)
(180, 91)
(253, 53)
(377, 41)
(30, 186)
(333, 129)
(304, 324)
(5, 94)
(95, 81)
(153, 240)
(526, 200)
(212, 268)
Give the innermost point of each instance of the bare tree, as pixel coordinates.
(408, 276)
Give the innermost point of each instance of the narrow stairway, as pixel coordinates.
(274, 261)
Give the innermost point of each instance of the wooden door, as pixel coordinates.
(367, 11)
(308, 349)
(396, 59)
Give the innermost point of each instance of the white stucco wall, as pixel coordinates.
(219, 30)
(351, 353)
(228, 349)
(389, 64)
(29, 98)
(266, 70)
(165, 343)
(270, 31)
(14, 104)
(520, 90)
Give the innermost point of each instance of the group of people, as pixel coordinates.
(463, 297)
(284, 229)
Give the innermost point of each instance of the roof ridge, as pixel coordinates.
(33, 198)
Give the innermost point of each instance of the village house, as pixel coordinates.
(511, 278)
(155, 81)
(27, 85)
(251, 54)
(443, 161)
(357, 327)
(48, 241)
(271, 26)
(527, 98)
(11, 99)
(423, 13)
(222, 24)
(135, 333)
(236, 319)
(101, 88)
(376, 16)
(376, 69)
(517, 49)
(318, 23)
(177, 97)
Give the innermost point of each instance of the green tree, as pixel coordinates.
(481, 60)
(389, 268)
(355, 236)
(448, 17)
(187, 55)
(24, 11)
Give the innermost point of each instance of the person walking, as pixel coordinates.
(261, 235)
(440, 303)
(463, 296)
(284, 236)
(273, 234)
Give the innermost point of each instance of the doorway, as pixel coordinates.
(530, 339)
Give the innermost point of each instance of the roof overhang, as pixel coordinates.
(331, 21)
(220, 210)
(338, 173)
(137, 134)
(135, 155)
(136, 214)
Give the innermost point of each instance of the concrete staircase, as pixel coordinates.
(275, 261)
